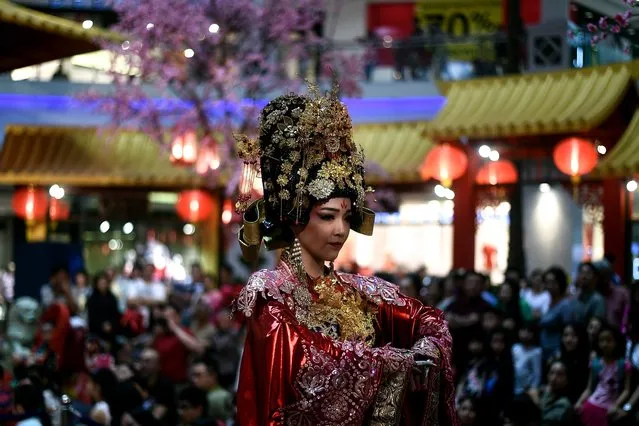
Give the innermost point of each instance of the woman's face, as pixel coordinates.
(557, 377)
(327, 229)
(586, 277)
(536, 282)
(594, 327)
(103, 285)
(466, 413)
(570, 339)
(551, 284)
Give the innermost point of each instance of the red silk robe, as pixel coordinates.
(292, 375)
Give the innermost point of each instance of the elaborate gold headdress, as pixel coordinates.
(306, 154)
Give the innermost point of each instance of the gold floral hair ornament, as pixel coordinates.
(307, 155)
(249, 152)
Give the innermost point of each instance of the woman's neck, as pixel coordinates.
(313, 267)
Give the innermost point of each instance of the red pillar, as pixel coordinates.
(464, 221)
(614, 222)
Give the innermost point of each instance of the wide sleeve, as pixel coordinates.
(407, 323)
(292, 375)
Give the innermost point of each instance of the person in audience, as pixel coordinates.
(28, 402)
(527, 360)
(174, 344)
(81, 290)
(589, 302)
(537, 297)
(559, 313)
(595, 324)
(201, 325)
(516, 310)
(616, 297)
(204, 376)
(556, 406)
(575, 355)
(192, 408)
(101, 388)
(102, 310)
(464, 315)
(468, 412)
(609, 382)
(158, 387)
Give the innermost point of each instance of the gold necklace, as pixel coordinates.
(340, 313)
(341, 307)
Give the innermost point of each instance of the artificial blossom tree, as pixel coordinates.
(209, 64)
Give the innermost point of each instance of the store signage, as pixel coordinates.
(460, 20)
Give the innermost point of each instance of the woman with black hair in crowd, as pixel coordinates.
(575, 355)
(102, 309)
(559, 313)
(516, 309)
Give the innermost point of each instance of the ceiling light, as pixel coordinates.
(127, 228)
(544, 188)
(105, 226)
(189, 229)
(484, 151)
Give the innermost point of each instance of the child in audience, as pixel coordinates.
(609, 382)
(527, 361)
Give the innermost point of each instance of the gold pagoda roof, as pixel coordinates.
(531, 105)
(85, 157)
(623, 159)
(32, 37)
(42, 155)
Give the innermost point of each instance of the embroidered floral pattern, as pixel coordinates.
(279, 284)
(324, 377)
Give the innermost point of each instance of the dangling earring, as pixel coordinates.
(296, 259)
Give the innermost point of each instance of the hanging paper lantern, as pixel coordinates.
(184, 148)
(194, 205)
(502, 172)
(58, 210)
(30, 203)
(208, 158)
(575, 157)
(444, 163)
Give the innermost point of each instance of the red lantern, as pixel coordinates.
(30, 203)
(184, 148)
(58, 210)
(444, 163)
(575, 157)
(208, 157)
(502, 172)
(194, 205)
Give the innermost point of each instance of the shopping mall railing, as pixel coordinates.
(383, 59)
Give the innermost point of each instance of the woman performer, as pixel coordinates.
(326, 348)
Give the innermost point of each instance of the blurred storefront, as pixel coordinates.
(108, 202)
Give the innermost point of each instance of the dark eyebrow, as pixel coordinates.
(333, 210)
